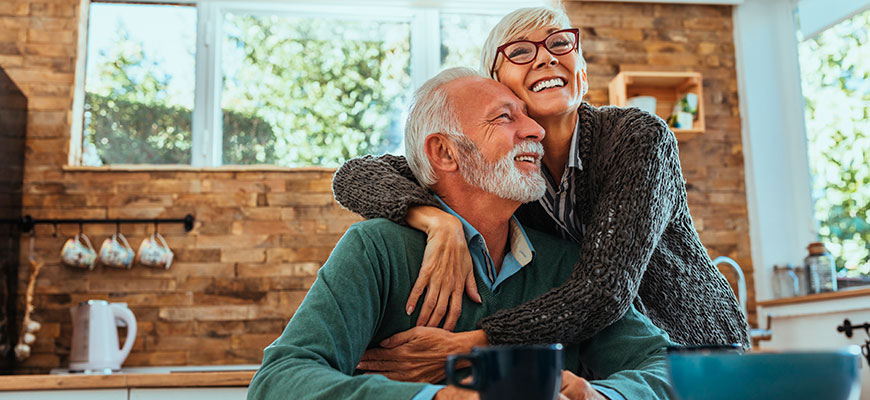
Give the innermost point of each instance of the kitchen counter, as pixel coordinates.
(127, 380)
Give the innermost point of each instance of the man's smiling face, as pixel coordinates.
(501, 150)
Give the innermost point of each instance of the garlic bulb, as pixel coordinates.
(29, 338)
(22, 351)
(33, 326)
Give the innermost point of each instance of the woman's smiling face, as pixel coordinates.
(550, 85)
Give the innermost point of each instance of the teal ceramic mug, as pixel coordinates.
(717, 375)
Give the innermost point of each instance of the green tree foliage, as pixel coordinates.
(462, 36)
(835, 68)
(130, 132)
(331, 89)
(296, 92)
(127, 115)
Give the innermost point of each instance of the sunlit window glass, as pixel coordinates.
(139, 84)
(462, 36)
(300, 91)
(835, 69)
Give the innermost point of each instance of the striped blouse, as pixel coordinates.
(559, 199)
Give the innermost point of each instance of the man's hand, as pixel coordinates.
(577, 388)
(418, 354)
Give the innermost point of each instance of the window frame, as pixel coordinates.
(206, 127)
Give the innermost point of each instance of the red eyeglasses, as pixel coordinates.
(525, 51)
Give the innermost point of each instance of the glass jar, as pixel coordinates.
(821, 269)
(785, 282)
(803, 285)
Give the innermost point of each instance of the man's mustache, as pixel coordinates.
(527, 147)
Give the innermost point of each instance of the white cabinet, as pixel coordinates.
(205, 393)
(813, 326)
(87, 394)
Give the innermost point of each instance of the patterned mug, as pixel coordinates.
(116, 252)
(78, 252)
(154, 252)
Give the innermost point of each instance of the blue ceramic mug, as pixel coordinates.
(511, 372)
(794, 375)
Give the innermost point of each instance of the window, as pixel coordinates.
(456, 49)
(139, 84)
(312, 90)
(835, 69)
(280, 83)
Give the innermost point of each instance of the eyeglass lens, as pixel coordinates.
(557, 43)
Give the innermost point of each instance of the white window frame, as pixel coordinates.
(206, 129)
(774, 137)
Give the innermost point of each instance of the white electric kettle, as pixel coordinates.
(95, 336)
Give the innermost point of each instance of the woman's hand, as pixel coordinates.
(577, 388)
(418, 354)
(446, 269)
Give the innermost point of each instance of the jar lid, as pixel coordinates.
(817, 248)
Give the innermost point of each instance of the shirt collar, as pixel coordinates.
(574, 152)
(520, 246)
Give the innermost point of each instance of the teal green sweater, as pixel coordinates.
(358, 300)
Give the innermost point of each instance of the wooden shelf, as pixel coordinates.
(667, 88)
(842, 294)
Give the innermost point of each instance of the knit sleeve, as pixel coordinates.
(637, 198)
(379, 187)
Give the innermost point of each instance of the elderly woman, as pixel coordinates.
(614, 185)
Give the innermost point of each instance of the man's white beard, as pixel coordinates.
(502, 178)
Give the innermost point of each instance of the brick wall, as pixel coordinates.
(261, 234)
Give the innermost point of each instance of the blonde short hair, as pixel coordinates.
(518, 24)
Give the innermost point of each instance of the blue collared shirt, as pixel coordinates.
(520, 253)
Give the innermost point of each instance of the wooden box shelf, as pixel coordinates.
(667, 88)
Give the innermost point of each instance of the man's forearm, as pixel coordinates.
(630, 354)
(296, 373)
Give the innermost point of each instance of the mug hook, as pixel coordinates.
(54, 232)
(81, 230)
(117, 226)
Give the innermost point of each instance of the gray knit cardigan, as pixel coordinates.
(640, 244)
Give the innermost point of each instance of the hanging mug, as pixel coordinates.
(154, 252)
(78, 252)
(116, 252)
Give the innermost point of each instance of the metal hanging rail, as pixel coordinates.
(26, 223)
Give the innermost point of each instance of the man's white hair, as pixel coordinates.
(431, 112)
(516, 25)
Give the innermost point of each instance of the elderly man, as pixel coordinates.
(470, 141)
